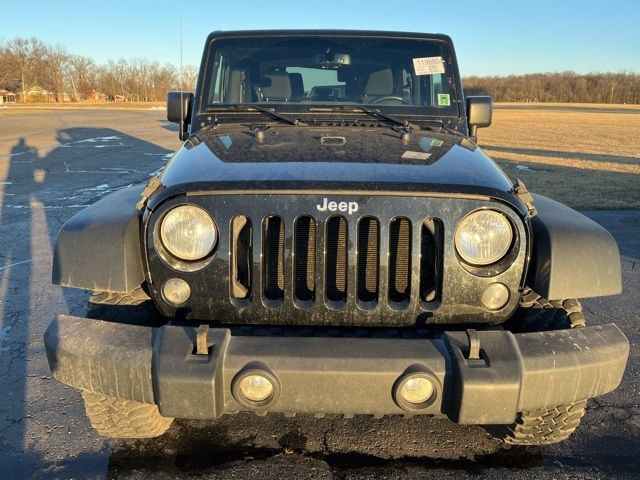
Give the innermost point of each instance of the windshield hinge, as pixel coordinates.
(523, 194)
(151, 188)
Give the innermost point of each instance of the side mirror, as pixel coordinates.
(479, 111)
(179, 111)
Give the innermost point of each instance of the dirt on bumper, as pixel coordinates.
(328, 375)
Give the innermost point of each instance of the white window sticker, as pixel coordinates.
(428, 65)
(415, 155)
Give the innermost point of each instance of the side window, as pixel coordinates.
(436, 85)
(215, 95)
(432, 85)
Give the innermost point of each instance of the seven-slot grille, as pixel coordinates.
(325, 266)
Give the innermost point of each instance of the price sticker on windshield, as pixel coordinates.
(428, 65)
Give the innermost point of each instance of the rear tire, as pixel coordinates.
(546, 425)
(120, 418)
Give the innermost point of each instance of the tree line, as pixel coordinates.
(26, 63)
(565, 87)
(59, 76)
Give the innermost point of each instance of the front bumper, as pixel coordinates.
(328, 375)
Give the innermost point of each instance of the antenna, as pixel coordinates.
(181, 76)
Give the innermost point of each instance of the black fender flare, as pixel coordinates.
(572, 256)
(99, 248)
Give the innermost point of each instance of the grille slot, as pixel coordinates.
(305, 259)
(400, 261)
(432, 237)
(368, 259)
(336, 261)
(241, 257)
(273, 258)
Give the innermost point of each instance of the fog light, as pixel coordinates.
(256, 388)
(495, 296)
(415, 391)
(176, 291)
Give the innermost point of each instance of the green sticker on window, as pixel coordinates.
(436, 143)
(444, 100)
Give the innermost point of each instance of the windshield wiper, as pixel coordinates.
(250, 107)
(374, 113)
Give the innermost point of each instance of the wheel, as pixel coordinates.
(537, 314)
(546, 425)
(134, 307)
(120, 418)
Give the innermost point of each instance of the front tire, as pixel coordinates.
(118, 417)
(555, 424)
(133, 308)
(545, 426)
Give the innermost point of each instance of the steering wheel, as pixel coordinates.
(389, 97)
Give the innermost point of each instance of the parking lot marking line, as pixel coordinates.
(24, 261)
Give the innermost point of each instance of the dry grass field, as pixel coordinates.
(587, 156)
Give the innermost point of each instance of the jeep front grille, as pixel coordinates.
(283, 259)
(324, 276)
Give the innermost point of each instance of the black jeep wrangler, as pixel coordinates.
(330, 239)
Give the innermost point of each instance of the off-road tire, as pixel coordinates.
(537, 314)
(132, 307)
(546, 425)
(120, 418)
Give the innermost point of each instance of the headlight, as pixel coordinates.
(188, 232)
(483, 237)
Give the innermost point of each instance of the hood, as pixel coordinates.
(333, 158)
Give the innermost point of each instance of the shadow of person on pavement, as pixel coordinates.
(40, 192)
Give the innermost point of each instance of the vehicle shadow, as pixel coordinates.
(40, 191)
(248, 446)
(355, 444)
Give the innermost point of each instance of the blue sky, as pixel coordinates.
(491, 37)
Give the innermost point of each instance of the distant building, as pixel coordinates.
(7, 97)
(39, 94)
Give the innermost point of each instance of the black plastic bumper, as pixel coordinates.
(337, 375)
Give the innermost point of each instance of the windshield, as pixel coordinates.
(298, 73)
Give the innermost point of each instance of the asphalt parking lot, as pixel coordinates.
(55, 162)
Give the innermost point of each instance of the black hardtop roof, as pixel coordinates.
(327, 32)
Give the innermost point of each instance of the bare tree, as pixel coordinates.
(82, 76)
(189, 78)
(53, 64)
(26, 56)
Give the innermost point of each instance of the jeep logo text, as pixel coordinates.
(349, 207)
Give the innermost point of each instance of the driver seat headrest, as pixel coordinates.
(379, 84)
(276, 85)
